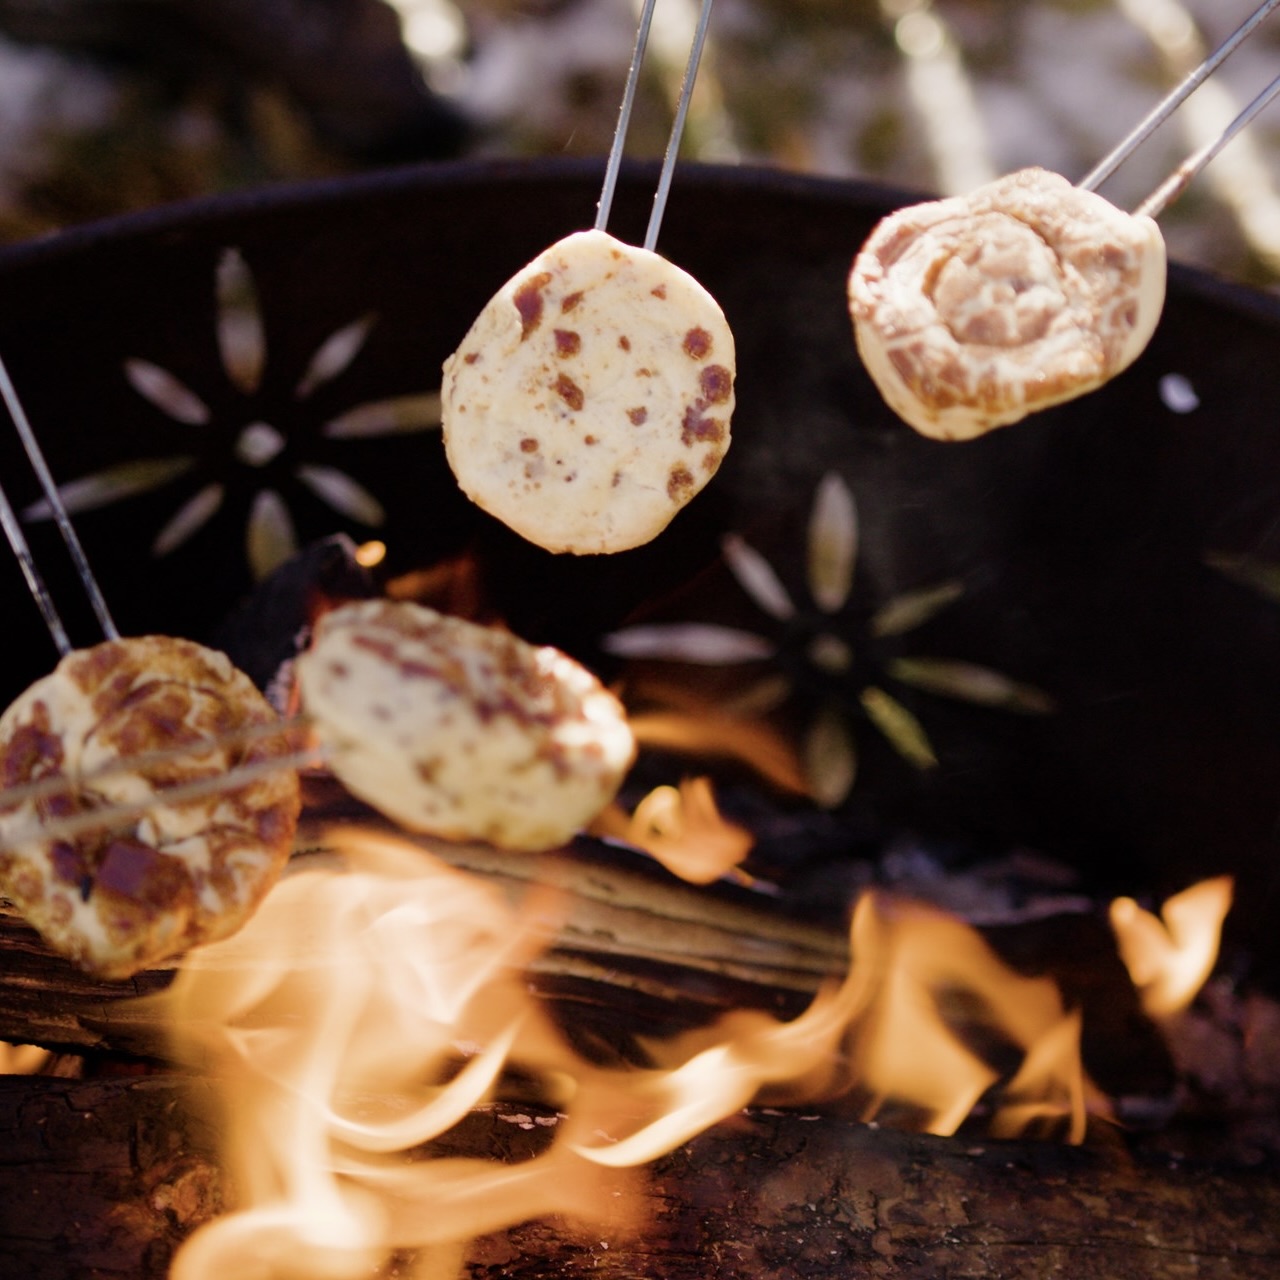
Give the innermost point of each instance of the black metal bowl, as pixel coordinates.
(1114, 553)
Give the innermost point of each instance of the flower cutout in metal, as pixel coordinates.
(1258, 575)
(255, 443)
(823, 651)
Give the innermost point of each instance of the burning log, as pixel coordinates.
(665, 952)
(762, 1192)
(108, 1177)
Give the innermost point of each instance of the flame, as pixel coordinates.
(682, 828)
(931, 969)
(368, 555)
(377, 998)
(364, 1011)
(669, 717)
(1169, 957)
(22, 1059)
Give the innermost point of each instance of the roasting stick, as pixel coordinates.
(61, 784)
(1169, 104)
(36, 457)
(31, 572)
(677, 127)
(113, 815)
(624, 117)
(1178, 181)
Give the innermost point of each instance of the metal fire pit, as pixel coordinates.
(1114, 553)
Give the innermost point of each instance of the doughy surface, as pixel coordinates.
(972, 312)
(591, 398)
(117, 901)
(461, 730)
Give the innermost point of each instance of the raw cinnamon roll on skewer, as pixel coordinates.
(592, 397)
(972, 312)
(122, 724)
(150, 793)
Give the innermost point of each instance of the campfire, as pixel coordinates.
(927, 933)
(391, 1062)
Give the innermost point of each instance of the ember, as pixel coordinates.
(682, 828)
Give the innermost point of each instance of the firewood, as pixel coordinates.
(640, 954)
(637, 944)
(106, 1178)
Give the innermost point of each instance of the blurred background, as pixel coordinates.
(113, 105)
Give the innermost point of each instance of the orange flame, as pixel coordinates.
(375, 1000)
(1169, 957)
(906, 1050)
(682, 828)
(363, 1012)
(22, 1059)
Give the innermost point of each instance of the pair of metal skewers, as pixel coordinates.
(1178, 181)
(67, 828)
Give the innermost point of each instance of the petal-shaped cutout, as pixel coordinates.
(702, 642)
(270, 539)
(830, 759)
(833, 543)
(759, 698)
(241, 339)
(914, 608)
(336, 352)
(756, 577)
(396, 416)
(971, 683)
(905, 733)
(343, 494)
(193, 515)
(164, 391)
(1262, 576)
(112, 484)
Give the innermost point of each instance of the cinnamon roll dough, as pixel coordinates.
(974, 311)
(591, 398)
(461, 730)
(118, 900)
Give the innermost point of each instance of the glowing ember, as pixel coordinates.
(22, 1059)
(1170, 956)
(377, 998)
(683, 829)
(370, 554)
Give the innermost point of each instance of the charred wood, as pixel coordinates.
(106, 1178)
(640, 954)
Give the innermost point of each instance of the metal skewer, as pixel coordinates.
(31, 572)
(19, 543)
(110, 816)
(62, 784)
(1168, 105)
(677, 127)
(1178, 181)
